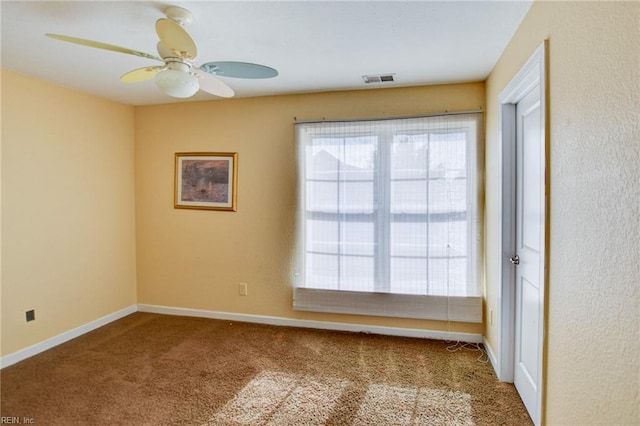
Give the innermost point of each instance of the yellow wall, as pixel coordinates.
(593, 369)
(68, 221)
(195, 259)
(68, 201)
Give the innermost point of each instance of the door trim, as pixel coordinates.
(532, 73)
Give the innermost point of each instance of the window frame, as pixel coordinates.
(379, 301)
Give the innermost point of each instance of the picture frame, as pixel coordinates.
(206, 180)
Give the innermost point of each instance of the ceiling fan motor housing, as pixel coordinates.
(178, 14)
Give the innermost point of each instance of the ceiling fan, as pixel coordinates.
(178, 76)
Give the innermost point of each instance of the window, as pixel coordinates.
(388, 218)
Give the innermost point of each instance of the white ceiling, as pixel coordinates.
(315, 45)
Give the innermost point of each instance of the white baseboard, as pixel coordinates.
(491, 355)
(336, 326)
(32, 350)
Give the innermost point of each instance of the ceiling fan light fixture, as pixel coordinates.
(178, 84)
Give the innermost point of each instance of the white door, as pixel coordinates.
(529, 263)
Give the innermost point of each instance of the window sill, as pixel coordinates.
(443, 308)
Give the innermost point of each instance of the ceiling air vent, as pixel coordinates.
(377, 78)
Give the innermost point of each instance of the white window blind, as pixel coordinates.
(388, 216)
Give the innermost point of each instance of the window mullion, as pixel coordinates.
(428, 213)
(383, 213)
(340, 215)
(473, 239)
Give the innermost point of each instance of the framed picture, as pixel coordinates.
(206, 180)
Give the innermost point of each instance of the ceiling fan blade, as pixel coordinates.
(141, 74)
(239, 69)
(176, 39)
(213, 85)
(104, 46)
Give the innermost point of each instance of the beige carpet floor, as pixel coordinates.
(149, 369)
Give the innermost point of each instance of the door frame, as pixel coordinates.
(533, 72)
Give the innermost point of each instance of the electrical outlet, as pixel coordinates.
(31, 315)
(490, 316)
(242, 289)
